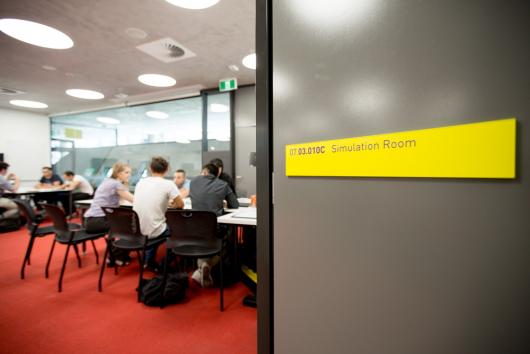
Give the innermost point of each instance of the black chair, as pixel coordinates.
(125, 234)
(194, 234)
(66, 236)
(33, 222)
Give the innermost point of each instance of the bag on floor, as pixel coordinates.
(175, 291)
(10, 224)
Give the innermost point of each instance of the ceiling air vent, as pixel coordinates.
(10, 92)
(166, 50)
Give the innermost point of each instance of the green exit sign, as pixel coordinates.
(227, 84)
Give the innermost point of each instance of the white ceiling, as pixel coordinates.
(104, 58)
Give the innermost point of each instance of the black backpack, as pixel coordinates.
(175, 291)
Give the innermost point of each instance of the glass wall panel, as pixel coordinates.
(171, 129)
(218, 121)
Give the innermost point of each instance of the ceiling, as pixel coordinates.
(105, 58)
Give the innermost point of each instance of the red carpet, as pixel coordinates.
(35, 318)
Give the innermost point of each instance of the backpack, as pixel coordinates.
(10, 224)
(174, 292)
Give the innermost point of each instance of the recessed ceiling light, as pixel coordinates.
(85, 94)
(49, 67)
(250, 61)
(219, 108)
(233, 67)
(108, 120)
(157, 80)
(35, 33)
(157, 114)
(193, 4)
(28, 104)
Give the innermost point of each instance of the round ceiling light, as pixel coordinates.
(35, 33)
(219, 108)
(157, 80)
(250, 61)
(193, 4)
(85, 94)
(28, 104)
(108, 120)
(157, 114)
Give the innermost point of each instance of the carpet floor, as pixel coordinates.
(35, 318)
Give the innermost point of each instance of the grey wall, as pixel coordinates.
(245, 122)
(408, 266)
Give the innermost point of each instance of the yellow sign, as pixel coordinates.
(477, 150)
(73, 133)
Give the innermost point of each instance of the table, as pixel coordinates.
(45, 191)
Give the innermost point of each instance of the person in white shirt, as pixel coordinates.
(152, 196)
(9, 208)
(80, 187)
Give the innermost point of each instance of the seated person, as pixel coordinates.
(222, 175)
(108, 194)
(183, 184)
(49, 180)
(80, 187)
(207, 192)
(152, 196)
(8, 208)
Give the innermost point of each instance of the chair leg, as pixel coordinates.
(64, 267)
(95, 251)
(222, 281)
(164, 280)
(26, 256)
(49, 258)
(77, 255)
(141, 261)
(103, 265)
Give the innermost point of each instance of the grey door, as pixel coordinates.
(408, 266)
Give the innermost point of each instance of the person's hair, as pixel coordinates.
(159, 164)
(4, 166)
(117, 168)
(217, 162)
(212, 169)
(180, 170)
(69, 173)
(47, 168)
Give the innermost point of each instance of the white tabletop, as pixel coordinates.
(241, 216)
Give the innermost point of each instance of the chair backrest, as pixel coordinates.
(193, 226)
(123, 223)
(58, 219)
(27, 211)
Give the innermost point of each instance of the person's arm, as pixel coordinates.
(15, 178)
(125, 194)
(70, 186)
(184, 193)
(176, 202)
(231, 199)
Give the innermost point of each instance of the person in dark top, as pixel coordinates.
(222, 175)
(50, 180)
(207, 192)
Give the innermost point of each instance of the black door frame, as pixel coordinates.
(264, 174)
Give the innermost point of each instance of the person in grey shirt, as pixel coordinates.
(9, 208)
(207, 192)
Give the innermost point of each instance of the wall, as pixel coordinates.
(245, 122)
(25, 142)
(399, 266)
